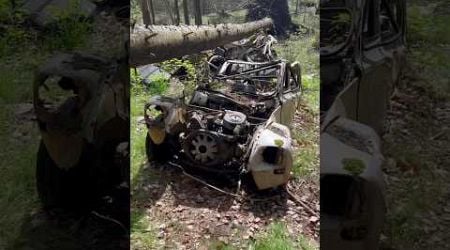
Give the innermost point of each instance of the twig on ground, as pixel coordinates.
(104, 217)
(300, 202)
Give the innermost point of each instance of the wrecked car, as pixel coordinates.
(362, 53)
(238, 122)
(81, 106)
(258, 48)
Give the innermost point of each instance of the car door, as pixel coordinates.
(393, 31)
(377, 64)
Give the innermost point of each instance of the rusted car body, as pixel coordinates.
(362, 52)
(81, 105)
(238, 122)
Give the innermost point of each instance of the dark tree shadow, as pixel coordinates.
(105, 226)
(155, 180)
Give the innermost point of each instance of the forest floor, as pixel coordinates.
(416, 144)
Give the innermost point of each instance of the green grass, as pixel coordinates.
(17, 156)
(22, 51)
(277, 237)
(416, 194)
(17, 166)
(411, 196)
(429, 37)
(142, 232)
(139, 96)
(301, 48)
(143, 236)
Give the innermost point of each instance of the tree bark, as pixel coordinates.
(186, 12)
(198, 12)
(145, 12)
(159, 43)
(278, 10)
(169, 10)
(177, 12)
(152, 11)
(296, 6)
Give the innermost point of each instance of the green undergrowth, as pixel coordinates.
(411, 195)
(276, 237)
(428, 39)
(143, 235)
(23, 48)
(302, 48)
(419, 186)
(17, 162)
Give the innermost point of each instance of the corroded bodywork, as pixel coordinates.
(99, 96)
(238, 122)
(81, 103)
(362, 53)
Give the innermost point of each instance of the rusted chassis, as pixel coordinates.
(224, 135)
(84, 139)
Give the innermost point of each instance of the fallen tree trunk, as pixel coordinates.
(159, 43)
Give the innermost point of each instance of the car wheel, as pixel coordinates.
(62, 188)
(155, 152)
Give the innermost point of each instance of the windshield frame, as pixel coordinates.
(331, 50)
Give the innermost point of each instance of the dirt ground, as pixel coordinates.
(186, 214)
(416, 147)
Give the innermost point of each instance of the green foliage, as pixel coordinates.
(354, 166)
(135, 11)
(425, 26)
(135, 78)
(6, 11)
(279, 143)
(428, 35)
(17, 188)
(174, 64)
(159, 83)
(70, 30)
(190, 80)
(13, 38)
(13, 35)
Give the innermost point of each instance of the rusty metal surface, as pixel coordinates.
(237, 121)
(96, 95)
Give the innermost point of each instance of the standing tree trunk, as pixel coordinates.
(145, 12)
(177, 12)
(296, 6)
(198, 12)
(169, 10)
(186, 12)
(152, 11)
(278, 10)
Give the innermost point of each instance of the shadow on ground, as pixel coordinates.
(93, 229)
